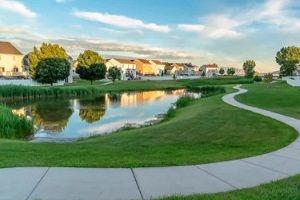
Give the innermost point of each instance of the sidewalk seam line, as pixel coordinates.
(137, 184)
(257, 165)
(286, 157)
(38, 183)
(216, 177)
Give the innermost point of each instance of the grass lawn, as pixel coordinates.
(287, 189)
(206, 131)
(280, 97)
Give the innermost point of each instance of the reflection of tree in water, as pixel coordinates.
(115, 99)
(92, 110)
(51, 116)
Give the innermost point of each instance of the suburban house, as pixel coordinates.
(158, 67)
(144, 67)
(188, 69)
(10, 61)
(174, 69)
(127, 67)
(210, 70)
(25, 66)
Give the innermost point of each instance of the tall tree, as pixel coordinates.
(89, 57)
(288, 58)
(45, 51)
(114, 73)
(231, 71)
(93, 72)
(51, 70)
(221, 71)
(248, 68)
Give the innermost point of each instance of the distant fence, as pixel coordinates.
(27, 82)
(159, 78)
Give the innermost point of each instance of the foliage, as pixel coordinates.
(92, 72)
(89, 57)
(45, 51)
(114, 73)
(216, 81)
(207, 91)
(13, 126)
(248, 67)
(257, 79)
(288, 58)
(231, 71)
(184, 100)
(51, 70)
(268, 78)
(221, 71)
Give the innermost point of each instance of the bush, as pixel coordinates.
(184, 100)
(207, 91)
(257, 79)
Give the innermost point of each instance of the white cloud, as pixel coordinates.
(17, 7)
(60, 1)
(120, 21)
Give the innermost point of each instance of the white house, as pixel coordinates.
(188, 69)
(10, 61)
(210, 70)
(158, 66)
(127, 67)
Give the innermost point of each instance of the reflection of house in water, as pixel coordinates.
(132, 98)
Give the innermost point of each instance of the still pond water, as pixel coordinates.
(78, 118)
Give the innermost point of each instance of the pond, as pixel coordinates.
(85, 117)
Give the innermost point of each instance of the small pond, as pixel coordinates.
(84, 117)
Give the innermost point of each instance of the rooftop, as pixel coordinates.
(8, 48)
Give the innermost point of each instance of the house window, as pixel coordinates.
(2, 69)
(16, 69)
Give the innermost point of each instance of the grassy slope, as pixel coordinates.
(206, 131)
(280, 98)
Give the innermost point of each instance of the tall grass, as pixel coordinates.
(13, 126)
(207, 91)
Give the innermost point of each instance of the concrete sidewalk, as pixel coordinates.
(144, 183)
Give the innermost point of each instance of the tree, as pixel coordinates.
(114, 73)
(93, 72)
(51, 70)
(248, 67)
(268, 78)
(45, 51)
(89, 57)
(231, 71)
(288, 58)
(221, 71)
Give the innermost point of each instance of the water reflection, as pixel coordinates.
(89, 116)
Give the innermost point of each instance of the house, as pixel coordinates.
(158, 67)
(127, 67)
(188, 69)
(196, 70)
(210, 70)
(10, 61)
(144, 67)
(25, 67)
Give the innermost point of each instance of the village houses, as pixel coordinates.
(127, 67)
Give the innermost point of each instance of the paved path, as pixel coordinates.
(145, 183)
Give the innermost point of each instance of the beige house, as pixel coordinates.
(127, 67)
(10, 61)
(158, 67)
(210, 70)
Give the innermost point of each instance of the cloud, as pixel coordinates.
(120, 21)
(60, 1)
(17, 7)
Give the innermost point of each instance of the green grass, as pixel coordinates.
(287, 189)
(279, 97)
(12, 126)
(207, 130)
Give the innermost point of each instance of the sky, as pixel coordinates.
(225, 32)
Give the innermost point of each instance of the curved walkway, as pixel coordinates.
(145, 183)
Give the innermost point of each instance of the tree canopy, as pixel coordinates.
(51, 70)
(93, 72)
(221, 71)
(288, 58)
(248, 68)
(114, 73)
(45, 51)
(231, 71)
(89, 57)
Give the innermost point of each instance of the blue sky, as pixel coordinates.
(226, 32)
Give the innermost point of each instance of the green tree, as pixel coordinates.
(114, 73)
(268, 78)
(89, 57)
(248, 68)
(231, 71)
(221, 71)
(92, 72)
(288, 58)
(45, 51)
(51, 70)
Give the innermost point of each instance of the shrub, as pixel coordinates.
(257, 79)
